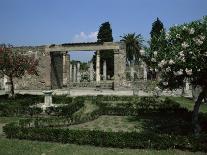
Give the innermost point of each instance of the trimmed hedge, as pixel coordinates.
(66, 110)
(108, 139)
(19, 106)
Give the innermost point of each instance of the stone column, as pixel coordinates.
(74, 73)
(91, 71)
(7, 84)
(98, 79)
(65, 69)
(71, 72)
(132, 72)
(104, 71)
(119, 66)
(187, 86)
(145, 71)
(78, 72)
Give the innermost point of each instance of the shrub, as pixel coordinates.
(108, 139)
(66, 110)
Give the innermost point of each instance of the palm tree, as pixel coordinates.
(133, 45)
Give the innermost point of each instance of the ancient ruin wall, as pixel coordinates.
(33, 82)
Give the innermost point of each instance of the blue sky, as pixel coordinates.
(38, 22)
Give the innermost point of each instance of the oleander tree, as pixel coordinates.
(184, 57)
(16, 65)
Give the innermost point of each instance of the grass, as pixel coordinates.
(169, 124)
(24, 147)
(188, 103)
(110, 123)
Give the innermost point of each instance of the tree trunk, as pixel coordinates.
(195, 123)
(11, 93)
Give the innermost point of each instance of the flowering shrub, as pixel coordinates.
(16, 65)
(184, 57)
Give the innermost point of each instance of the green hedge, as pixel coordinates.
(66, 110)
(108, 139)
(20, 105)
(44, 122)
(141, 105)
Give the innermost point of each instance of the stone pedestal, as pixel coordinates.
(98, 79)
(47, 99)
(91, 71)
(104, 71)
(78, 72)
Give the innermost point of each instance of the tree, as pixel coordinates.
(105, 35)
(15, 65)
(133, 46)
(155, 42)
(184, 57)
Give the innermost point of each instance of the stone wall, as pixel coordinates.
(33, 82)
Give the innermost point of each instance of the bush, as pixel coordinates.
(19, 106)
(108, 139)
(66, 110)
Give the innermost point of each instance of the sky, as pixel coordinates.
(43, 22)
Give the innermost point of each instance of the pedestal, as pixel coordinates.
(48, 99)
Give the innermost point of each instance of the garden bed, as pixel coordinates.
(134, 122)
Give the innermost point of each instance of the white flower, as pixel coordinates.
(142, 51)
(190, 52)
(155, 53)
(156, 70)
(182, 59)
(192, 31)
(188, 71)
(181, 53)
(184, 28)
(162, 63)
(167, 35)
(171, 62)
(180, 72)
(153, 59)
(168, 69)
(177, 35)
(165, 83)
(185, 45)
(199, 42)
(201, 37)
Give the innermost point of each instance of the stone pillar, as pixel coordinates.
(145, 71)
(68, 70)
(119, 66)
(74, 73)
(91, 71)
(104, 71)
(98, 79)
(65, 69)
(78, 72)
(187, 86)
(132, 72)
(71, 72)
(7, 84)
